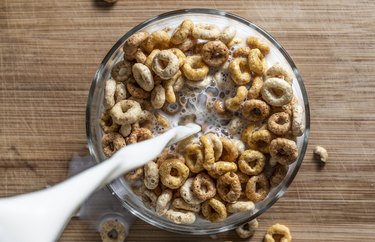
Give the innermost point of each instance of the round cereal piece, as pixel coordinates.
(180, 55)
(157, 40)
(230, 152)
(243, 51)
(151, 172)
(143, 76)
(279, 230)
(194, 157)
(194, 68)
(248, 229)
(209, 153)
(147, 120)
(186, 119)
(214, 210)
(234, 125)
(278, 175)
(173, 173)
(233, 42)
(132, 43)
(138, 135)
(158, 97)
(255, 60)
(206, 31)
(284, 151)
(221, 167)
(320, 153)
(125, 130)
(199, 84)
(240, 206)
(180, 203)
(203, 187)
(255, 43)
(107, 124)
(260, 140)
(219, 107)
(233, 104)
(134, 175)
(187, 193)
(165, 64)
(256, 87)
(217, 145)
(120, 92)
(136, 91)
(163, 202)
(257, 188)
(227, 34)
(180, 216)
(182, 32)
(239, 145)
(187, 44)
(170, 95)
(251, 162)
(171, 108)
(255, 110)
(150, 58)
(239, 71)
(179, 84)
(168, 154)
(122, 71)
(297, 124)
(279, 123)
(247, 133)
(109, 93)
(276, 92)
(228, 187)
(185, 142)
(162, 120)
(112, 230)
(149, 198)
(140, 57)
(111, 143)
(279, 71)
(215, 53)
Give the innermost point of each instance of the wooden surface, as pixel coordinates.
(50, 50)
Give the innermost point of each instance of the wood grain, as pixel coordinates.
(50, 50)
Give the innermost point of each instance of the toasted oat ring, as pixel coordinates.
(187, 44)
(180, 203)
(194, 157)
(277, 92)
(251, 162)
(243, 51)
(227, 34)
(171, 108)
(214, 210)
(219, 107)
(239, 71)
(279, 71)
(112, 229)
(149, 198)
(194, 68)
(230, 152)
(165, 64)
(150, 58)
(215, 53)
(179, 83)
(221, 167)
(158, 97)
(120, 92)
(132, 43)
(203, 187)
(255, 59)
(233, 104)
(143, 76)
(206, 31)
(180, 216)
(126, 112)
(279, 123)
(111, 143)
(247, 132)
(297, 124)
(157, 40)
(140, 57)
(107, 124)
(162, 120)
(278, 174)
(147, 120)
(240, 206)
(255, 110)
(284, 151)
(180, 55)
(257, 188)
(182, 32)
(248, 229)
(260, 140)
(173, 173)
(167, 155)
(253, 42)
(151, 171)
(256, 87)
(278, 229)
(138, 135)
(109, 93)
(187, 193)
(209, 153)
(134, 175)
(163, 202)
(229, 187)
(136, 91)
(217, 145)
(170, 95)
(122, 71)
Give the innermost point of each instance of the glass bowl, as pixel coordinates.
(119, 187)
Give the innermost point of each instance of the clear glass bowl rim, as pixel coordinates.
(298, 163)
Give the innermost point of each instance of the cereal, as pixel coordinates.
(132, 43)
(158, 97)
(199, 84)
(247, 133)
(157, 40)
(143, 76)
(217, 145)
(206, 31)
(239, 145)
(170, 95)
(255, 110)
(257, 188)
(165, 64)
(136, 91)
(111, 143)
(162, 120)
(171, 108)
(230, 152)
(120, 92)
(240, 206)
(151, 172)
(180, 203)
(180, 216)
(167, 154)
(203, 187)
(256, 87)
(221, 167)
(214, 210)
(256, 63)
(180, 55)
(251, 162)
(140, 57)
(187, 44)
(107, 124)
(215, 53)
(125, 130)
(239, 71)
(279, 230)
(278, 174)
(163, 202)
(134, 175)
(149, 199)
(321, 153)
(191, 118)
(284, 151)
(138, 135)
(122, 71)
(173, 173)
(147, 120)
(279, 71)
(260, 140)
(297, 124)
(187, 193)
(233, 104)
(234, 41)
(209, 153)
(194, 157)
(150, 58)
(234, 125)
(279, 123)
(227, 34)
(219, 107)
(179, 83)
(112, 230)
(248, 229)
(109, 93)
(253, 42)
(182, 32)
(194, 68)
(276, 92)
(243, 51)
(229, 187)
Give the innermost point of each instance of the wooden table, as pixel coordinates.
(50, 50)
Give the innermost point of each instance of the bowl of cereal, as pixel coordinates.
(224, 73)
